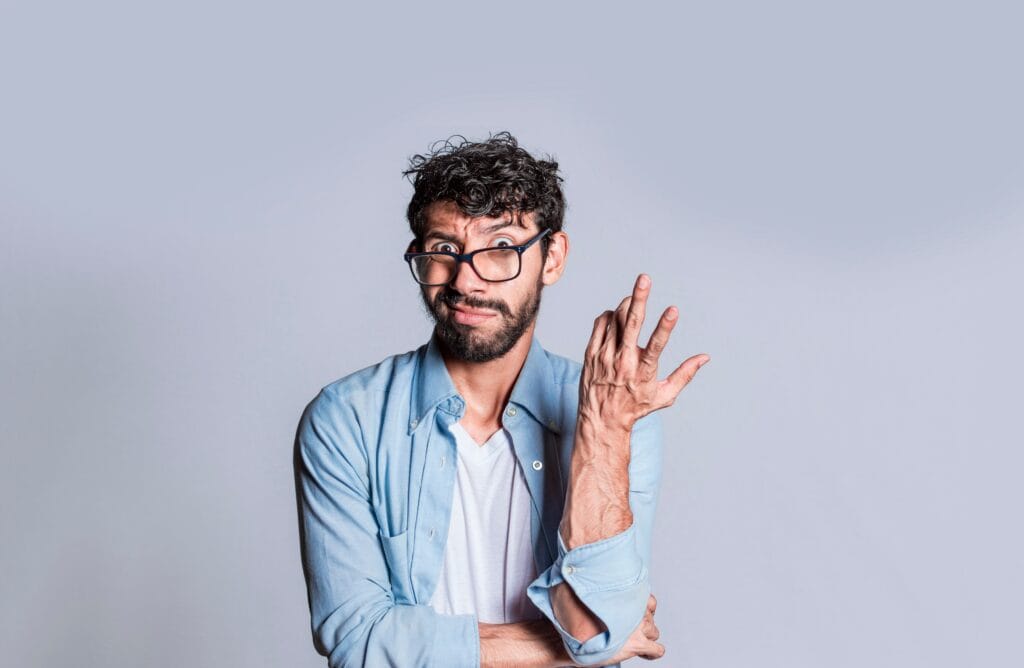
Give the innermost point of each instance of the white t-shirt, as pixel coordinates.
(488, 559)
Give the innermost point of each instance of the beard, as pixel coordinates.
(465, 342)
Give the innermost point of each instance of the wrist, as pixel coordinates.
(605, 422)
(603, 442)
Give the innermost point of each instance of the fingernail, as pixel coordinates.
(704, 362)
(644, 281)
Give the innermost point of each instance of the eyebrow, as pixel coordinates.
(435, 234)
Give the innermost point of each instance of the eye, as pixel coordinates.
(504, 241)
(446, 246)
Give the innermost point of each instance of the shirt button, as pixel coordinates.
(537, 465)
(430, 534)
(412, 425)
(552, 424)
(443, 460)
(511, 411)
(569, 570)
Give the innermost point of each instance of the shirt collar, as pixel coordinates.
(535, 388)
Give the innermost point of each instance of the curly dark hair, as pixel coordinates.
(486, 178)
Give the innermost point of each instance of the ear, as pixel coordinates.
(554, 264)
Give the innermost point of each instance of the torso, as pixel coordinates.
(488, 560)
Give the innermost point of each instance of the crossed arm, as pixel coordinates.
(356, 618)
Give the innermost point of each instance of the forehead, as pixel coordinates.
(446, 217)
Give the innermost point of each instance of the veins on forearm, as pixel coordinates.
(597, 502)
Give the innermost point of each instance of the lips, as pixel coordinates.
(470, 316)
(472, 311)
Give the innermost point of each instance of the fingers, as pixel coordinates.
(634, 317)
(620, 320)
(597, 336)
(644, 636)
(682, 375)
(611, 336)
(659, 338)
(651, 629)
(652, 650)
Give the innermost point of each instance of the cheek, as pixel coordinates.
(519, 300)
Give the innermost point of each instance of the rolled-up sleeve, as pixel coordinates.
(610, 576)
(354, 617)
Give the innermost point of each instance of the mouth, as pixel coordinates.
(470, 316)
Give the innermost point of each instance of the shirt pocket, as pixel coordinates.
(396, 553)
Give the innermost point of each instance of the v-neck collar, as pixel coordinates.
(470, 448)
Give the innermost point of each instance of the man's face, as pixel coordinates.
(478, 320)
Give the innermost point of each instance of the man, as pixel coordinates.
(481, 501)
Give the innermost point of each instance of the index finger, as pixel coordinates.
(637, 310)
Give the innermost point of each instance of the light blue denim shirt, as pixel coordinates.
(375, 474)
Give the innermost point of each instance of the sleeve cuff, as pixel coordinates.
(453, 633)
(610, 577)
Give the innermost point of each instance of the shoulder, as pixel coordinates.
(372, 379)
(368, 386)
(336, 410)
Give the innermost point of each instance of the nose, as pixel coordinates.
(466, 280)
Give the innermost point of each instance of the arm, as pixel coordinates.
(354, 617)
(536, 643)
(596, 507)
(597, 589)
(596, 592)
(532, 644)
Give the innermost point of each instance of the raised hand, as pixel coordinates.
(619, 383)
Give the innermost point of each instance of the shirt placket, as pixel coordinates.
(534, 448)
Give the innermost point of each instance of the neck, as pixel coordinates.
(487, 386)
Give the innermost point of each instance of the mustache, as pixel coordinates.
(450, 299)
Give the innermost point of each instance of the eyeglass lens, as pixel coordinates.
(497, 264)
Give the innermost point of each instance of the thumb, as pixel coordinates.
(683, 374)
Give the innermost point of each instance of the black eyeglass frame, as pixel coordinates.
(468, 258)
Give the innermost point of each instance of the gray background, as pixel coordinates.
(202, 221)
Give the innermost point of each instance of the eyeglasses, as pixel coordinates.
(495, 264)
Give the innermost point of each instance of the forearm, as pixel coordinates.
(533, 644)
(597, 500)
(596, 507)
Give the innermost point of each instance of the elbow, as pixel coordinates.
(341, 635)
